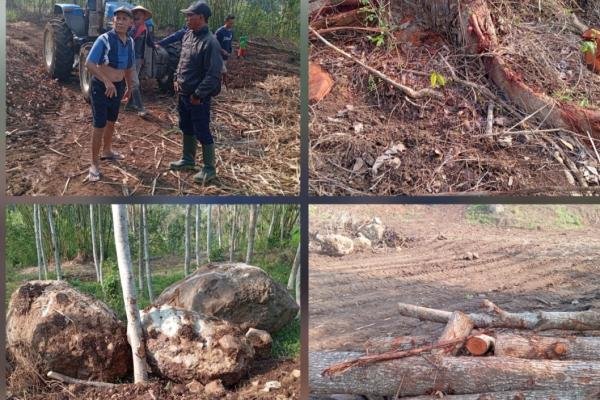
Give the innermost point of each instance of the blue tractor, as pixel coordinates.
(69, 36)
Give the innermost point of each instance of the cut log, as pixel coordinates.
(320, 82)
(348, 18)
(458, 328)
(553, 348)
(459, 375)
(319, 7)
(480, 344)
(520, 395)
(539, 320)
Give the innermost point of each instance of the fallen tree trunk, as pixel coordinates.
(459, 375)
(348, 18)
(474, 29)
(521, 395)
(538, 320)
(553, 348)
(458, 328)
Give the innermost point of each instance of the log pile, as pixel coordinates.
(477, 356)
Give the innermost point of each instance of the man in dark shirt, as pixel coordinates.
(225, 36)
(197, 79)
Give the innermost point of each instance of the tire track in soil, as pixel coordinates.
(353, 298)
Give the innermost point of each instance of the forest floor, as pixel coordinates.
(166, 271)
(442, 146)
(255, 122)
(530, 258)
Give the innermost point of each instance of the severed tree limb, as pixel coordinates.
(350, 28)
(543, 347)
(415, 94)
(459, 375)
(67, 379)
(387, 356)
(520, 395)
(459, 327)
(539, 320)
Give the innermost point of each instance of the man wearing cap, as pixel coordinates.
(111, 62)
(142, 37)
(225, 36)
(197, 79)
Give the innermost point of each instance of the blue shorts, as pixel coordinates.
(194, 120)
(103, 108)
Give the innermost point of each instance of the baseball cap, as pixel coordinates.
(199, 7)
(124, 10)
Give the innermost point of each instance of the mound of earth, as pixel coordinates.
(184, 346)
(53, 327)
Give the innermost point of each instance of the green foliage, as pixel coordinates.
(480, 214)
(376, 14)
(378, 40)
(584, 102)
(565, 218)
(437, 80)
(588, 46)
(286, 342)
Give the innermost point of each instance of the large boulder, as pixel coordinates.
(335, 245)
(56, 328)
(236, 292)
(185, 346)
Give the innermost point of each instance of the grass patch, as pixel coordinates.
(480, 214)
(565, 218)
(286, 342)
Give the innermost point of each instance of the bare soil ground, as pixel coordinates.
(255, 125)
(531, 258)
(262, 372)
(446, 147)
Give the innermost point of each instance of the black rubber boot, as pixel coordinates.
(188, 160)
(209, 171)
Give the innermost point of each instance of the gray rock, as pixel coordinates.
(361, 243)
(335, 245)
(261, 341)
(373, 232)
(236, 292)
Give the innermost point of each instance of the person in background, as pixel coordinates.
(225, 37)
(111, 62)
(142, 37)
(243, 46)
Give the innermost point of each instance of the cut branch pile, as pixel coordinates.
(471, 361)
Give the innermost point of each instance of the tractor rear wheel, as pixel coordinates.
(59, 52)
(85, 78)
(165, 82)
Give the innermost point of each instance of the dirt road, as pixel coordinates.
(255, 125)
(548, 265)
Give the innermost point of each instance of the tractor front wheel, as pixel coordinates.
(85, 78)
(59, 51)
